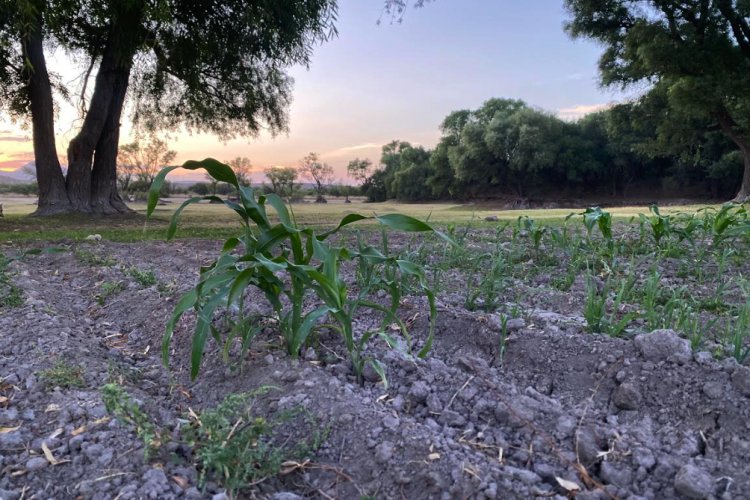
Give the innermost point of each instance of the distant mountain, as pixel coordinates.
(9, 178)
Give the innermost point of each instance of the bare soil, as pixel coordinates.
(561, 414)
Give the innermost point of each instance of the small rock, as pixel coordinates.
(94, 237)
(419, 392)
(515, 324)
(36, 463)
(492, 218)
(9, 495)
(703, 357)
(286, 495)
(741, 380)
(713, 390)
(453, 418)
(616, 474)
(694, 482)
(370, 374)
(391, 422)
(627, 397)
(588, 446)
(384, 452)
(661, 345)
(644, 458)
(220, 496)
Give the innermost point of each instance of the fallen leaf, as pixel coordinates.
(102, 420)
(52, 407)
(433, 456)
(56, 433)
(567, 485)
(48, 454)
(181, 481)
(6, 430)
(78, 431)
(3, 399)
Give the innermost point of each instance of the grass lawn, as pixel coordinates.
(216, 221)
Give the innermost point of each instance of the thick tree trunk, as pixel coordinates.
(743, 196)
(82, 146)
(52, 196)
(730, 127)
(104, 196)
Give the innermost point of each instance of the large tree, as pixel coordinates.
(209, 66)
(699, 50)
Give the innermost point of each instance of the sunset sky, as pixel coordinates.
(375, 83)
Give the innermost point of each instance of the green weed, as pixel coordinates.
(64, 375)
(108, 289)
(144, 277)
(119, 403)
(93, 259)
(238, 448)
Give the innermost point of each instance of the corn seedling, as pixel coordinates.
(598, 319)
(659, 224)
(281, 259)
(738, 330)
(596, 217)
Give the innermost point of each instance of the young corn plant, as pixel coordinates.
(598, 319)
(596, 217)
(718, 223)
(659, 224)
(287, 263)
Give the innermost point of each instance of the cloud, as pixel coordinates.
(350, 149)
(581, 110)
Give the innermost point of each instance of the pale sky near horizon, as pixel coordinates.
(375, 83)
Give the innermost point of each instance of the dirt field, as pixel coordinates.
(517, 399)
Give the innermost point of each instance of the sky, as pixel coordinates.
(394, 80)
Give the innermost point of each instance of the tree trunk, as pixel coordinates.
(730, 127)
(52, 196)
(104, 196)
(82, 146)
(101, 125)
(743, 196)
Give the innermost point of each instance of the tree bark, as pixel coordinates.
(52, 196)
(105, 198)
(730, 127)
(92, 183)
(743, 196)
(82, 146)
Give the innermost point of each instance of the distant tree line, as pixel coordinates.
(508, 148)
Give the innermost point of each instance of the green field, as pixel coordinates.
(216, 221)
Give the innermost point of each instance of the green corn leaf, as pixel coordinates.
(379, 370)
(307, 326)
(280, 207)
(186, 302)
(348, 219)
(217, 170)
(155, 189)
(176, 215)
